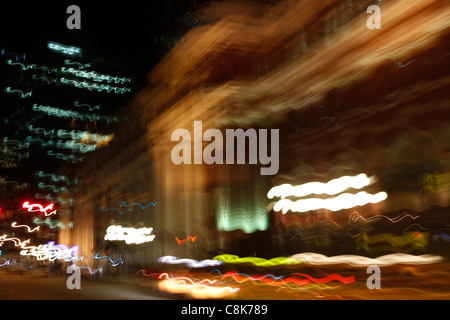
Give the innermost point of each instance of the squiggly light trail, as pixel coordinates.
(95, 76)
(279, 281)
(124, 204)
(260, 262)
(46, 79)
(114, 263)
(55, 189)
(361, 261)
(166, 275)
(246, 276)
(22, 94)
(6, 262)
(91, 108)
(190, 262)
(72, 114)
(80, 65)
(147, 273)
(40, 208)
(53, 224)
(363, 240)
(55, 177)
(14, 225)
(16, 143)
(182, 242)
(62, 156)
(197, 290)
(17, 241)
(95, 86)
(355, 216)
(16, 186)
(25, 67)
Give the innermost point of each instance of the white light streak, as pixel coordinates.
(14, 225)
(190, 262)
(343, 201)
(361, 261)
(332, 187)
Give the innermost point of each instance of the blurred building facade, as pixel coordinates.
(346, 100)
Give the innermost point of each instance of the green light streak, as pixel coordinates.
(259, 262)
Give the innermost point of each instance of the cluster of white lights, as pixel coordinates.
(51, 252)
(57, 47)
(129, 235)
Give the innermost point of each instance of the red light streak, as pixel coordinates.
(418, 235)
(38, 207)
(181, 242)
(293, 279)
(329, 278)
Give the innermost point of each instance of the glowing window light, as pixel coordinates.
(343, 201)
(190, 262)
(241, 215)
(332, 187)
(241, 219)
(362, 261)
(129, 235)
(60, 48)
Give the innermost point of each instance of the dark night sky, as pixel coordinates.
(127, 31)
(129, 38)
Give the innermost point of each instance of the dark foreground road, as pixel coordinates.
(41, 287)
